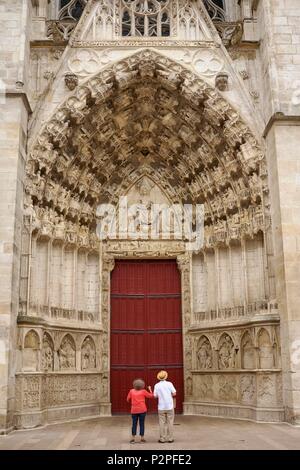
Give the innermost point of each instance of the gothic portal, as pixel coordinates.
(171, 102)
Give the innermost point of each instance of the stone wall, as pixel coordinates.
(280, 51)
(283, 153)
(280, 61)
(14, 108)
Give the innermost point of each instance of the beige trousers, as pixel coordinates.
(166, 421)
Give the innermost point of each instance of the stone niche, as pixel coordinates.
(236, 373)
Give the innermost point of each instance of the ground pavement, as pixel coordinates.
(191, 432)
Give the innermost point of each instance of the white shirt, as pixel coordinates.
(163, 391)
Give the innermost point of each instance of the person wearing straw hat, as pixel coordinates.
(165, 392)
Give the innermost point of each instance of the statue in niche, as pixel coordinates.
(204, 354)
(47, 354)
(83, 235)
(88, 354)
(70, 233)
(189, 386)
(67, 354)
(226, 353)
(234, 226)
(205, 387)
(59, 228)
(104, 386)
(140, 220)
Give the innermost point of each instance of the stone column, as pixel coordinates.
(14, 110)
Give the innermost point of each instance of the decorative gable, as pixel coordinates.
(115, 19)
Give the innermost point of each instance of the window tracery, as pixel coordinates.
(71, 9)
(135, 18)
(150, 18)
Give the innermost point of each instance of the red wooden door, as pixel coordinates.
(146, 328)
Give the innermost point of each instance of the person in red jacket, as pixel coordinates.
(137, 396)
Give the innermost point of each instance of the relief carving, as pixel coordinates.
(266, 351)
(248, 388)
(227, 388)
(204, 353)
(248, 352)
(47, 353)
(88, 354)
(205, 387)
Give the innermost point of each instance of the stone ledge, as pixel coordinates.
(20, 94)
(29, 420)
(236, 371)
(229, 324)
(41, 322)
(281, 118)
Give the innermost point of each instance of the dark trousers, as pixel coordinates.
(140, 417)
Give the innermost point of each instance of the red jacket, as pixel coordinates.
(137, 398)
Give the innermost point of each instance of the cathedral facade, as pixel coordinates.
(173, 103)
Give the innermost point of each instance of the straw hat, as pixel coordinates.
(162, 375)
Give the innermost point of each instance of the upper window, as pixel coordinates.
(71, 9)
(149, 18)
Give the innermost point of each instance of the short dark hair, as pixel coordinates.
(138, 384)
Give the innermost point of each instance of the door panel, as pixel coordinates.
(128, 313)
(146, 328)
(129, 349)
(163, 313)
(165, 348)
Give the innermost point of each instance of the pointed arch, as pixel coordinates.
(47, 353)
(248, 351)
(67, 353)
(111, 129)
(88, 354)
(204, 353)
(266, 350)
(226, 352)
